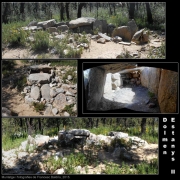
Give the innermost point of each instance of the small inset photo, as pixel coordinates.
(67, 146)
(125, 87)
(39, 87)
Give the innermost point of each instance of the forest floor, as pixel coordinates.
(109, 50)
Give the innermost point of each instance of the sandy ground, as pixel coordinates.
(109, 50)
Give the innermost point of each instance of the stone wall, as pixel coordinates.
(163, 83)
(150, 77)
(96, 87)
(168, 92)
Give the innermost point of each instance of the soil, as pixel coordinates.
(109, 50)
(13, 100)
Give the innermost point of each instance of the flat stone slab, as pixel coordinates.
(41, 78)
(107, 38)
(125, 43)
(79, 132)
(83, 21)
(38, 68)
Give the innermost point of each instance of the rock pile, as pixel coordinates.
(46, 86)
(105, 32)
(34, 151)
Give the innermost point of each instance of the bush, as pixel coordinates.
(41, 40)
(38, 106)
(17, 37)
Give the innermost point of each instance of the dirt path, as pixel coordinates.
(13, 100)
(109, 50)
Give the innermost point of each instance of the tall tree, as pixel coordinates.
(149, 14)
(131, 10)
(62, 11)
(67, 10)
(5, 13)
(143, 126)
(80, 6)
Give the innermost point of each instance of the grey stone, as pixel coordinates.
(54, 111)
(61, 36)
(6, 112)
(53, 92)
(48, 110)
(101, 40)
(101, 25)
(46, 24)
(52, 29)
(36, 78)
(63, 28)
(124, 32)
(81, 22)
(45, 92)
(35, 92)
(107, 38)
(60, 101)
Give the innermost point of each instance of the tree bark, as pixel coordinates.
(5, 13)
(149, 14)
(80, 6)
(131, 10)
(67, 10)
(62, 11)
(143, 126)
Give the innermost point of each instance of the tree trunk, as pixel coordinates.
(5, 13)
(67, 10)
(22, 11)
(143, 126)
(104, 121)
(131, 10)
(62, 12)
(149, 14)
(110, 10)
(80, 6)
(97, 122)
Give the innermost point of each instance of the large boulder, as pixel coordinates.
(124, 32)
(60, 101)
(168, 91)
(47, 24)
(101, 25)
(37, 78)
(45, 92)
(35, 92)
(33, 23)
(83, 21)
(79, 132)
(133, 27)
(40, 140)
(95, 92)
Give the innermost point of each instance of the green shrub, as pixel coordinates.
(21, 82)
(38, 106)
(69, 109)
(41, 41)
